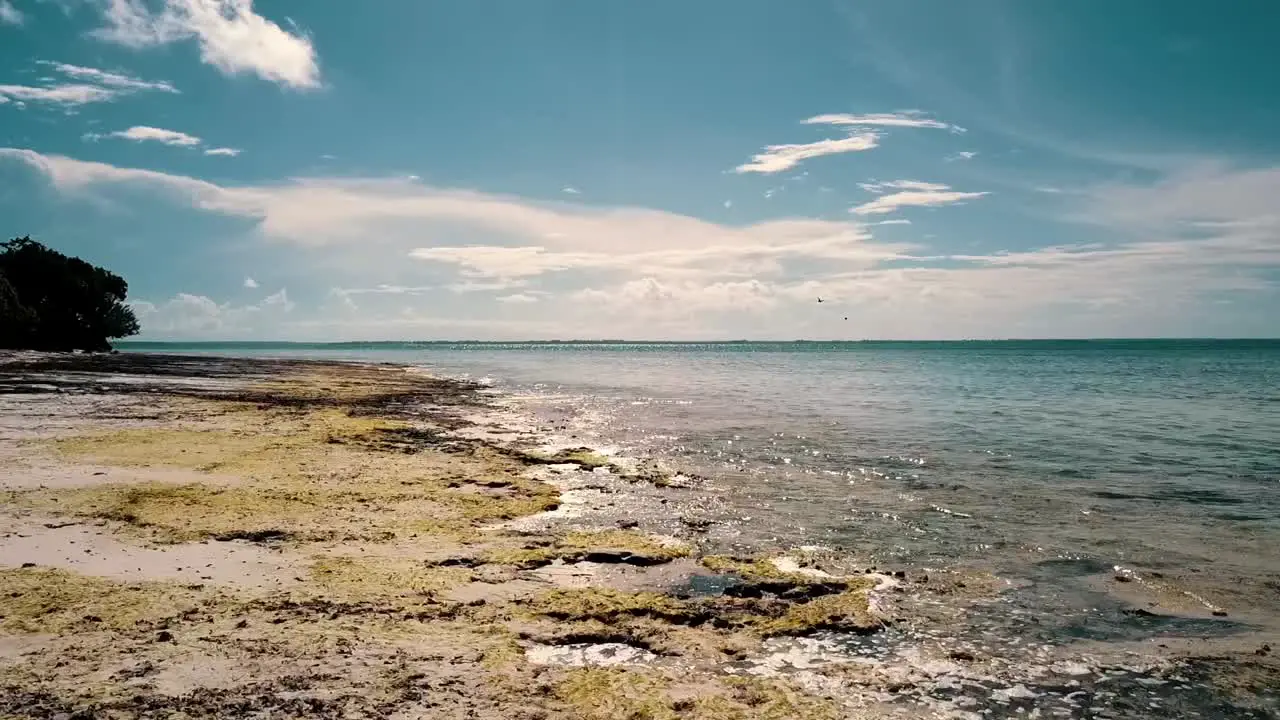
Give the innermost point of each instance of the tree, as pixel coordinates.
(49, 301)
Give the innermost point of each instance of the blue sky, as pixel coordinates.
(412, 169)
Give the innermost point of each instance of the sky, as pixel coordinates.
(321, 170)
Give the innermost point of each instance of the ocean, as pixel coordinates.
(1054, 463)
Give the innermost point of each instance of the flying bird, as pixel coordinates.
(819, 299)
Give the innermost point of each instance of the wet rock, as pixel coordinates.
(1140, 612)
(696, 524)
(619, 555)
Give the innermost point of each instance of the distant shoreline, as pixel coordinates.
(144, 345)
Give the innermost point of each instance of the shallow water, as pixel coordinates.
(1153, 458)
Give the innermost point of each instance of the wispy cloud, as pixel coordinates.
(777, 158)
(912, 193)
(251, 283)
(962, 155)
(906, 118)
(897, 221)
(517, 299)
(231, 36)
(385, 289)
(144, 133)
(10, 15)
(64, 94)
(881, 187)
(108, 78)
(571, 191)
(85, 85)
(865, 132)
(225, 151)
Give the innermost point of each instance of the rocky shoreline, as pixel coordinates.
(210, 537)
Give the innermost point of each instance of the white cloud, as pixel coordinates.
(278, 300)
(912, 193)
(882, 187)
(231, 36)
(900, 221)
(470, 286)
(10, 15)
(223, 151)
(962, 155)
(907, 118)
(1049, 190)
(250, 283)
(571, 191)
(385, 289)
(143, 133)
(517, 299)
(777, 158)
(550, 236)
(863, 135)
(86, 85)
(186, 315)
(108, 78)
(65, 94)
(728, 204)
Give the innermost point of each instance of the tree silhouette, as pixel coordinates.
(49, 301)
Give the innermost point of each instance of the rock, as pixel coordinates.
(28, 565)
(164, 636)
(962, 655)
(629, 524)
(1123, 578)
(1140, 612)
(1017, 692)
(619, 555)
(695, 524)
(1219, 613)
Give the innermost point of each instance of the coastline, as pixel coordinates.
(214, 536)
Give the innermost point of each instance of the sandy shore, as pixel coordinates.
(202, 537)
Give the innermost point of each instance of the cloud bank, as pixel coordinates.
(379, 258)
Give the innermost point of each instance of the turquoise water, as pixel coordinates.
(1156, 456)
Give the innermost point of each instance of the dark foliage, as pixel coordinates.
(49, 301)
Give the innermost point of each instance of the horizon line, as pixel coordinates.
(739, 341)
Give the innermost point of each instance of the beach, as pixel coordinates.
(201, 536)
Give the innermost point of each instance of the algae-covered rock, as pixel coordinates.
(602, 546)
